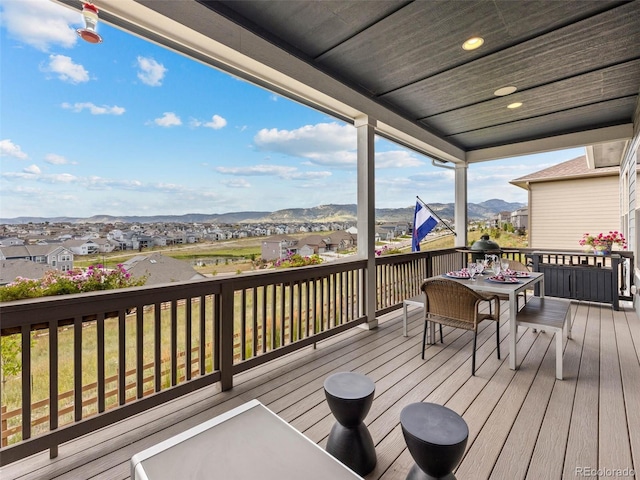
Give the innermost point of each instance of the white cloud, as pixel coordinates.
(94, 109)
(217, 122)
(40, 23)
(151, 72)
(168, 119)
(308, 141)
(10, 149)
(397, 159)
(59, 178)
(344, 159)
(257, 170)
(55, 159)
(285, 173)
(66, 70)
(33, 170)
(237, 183)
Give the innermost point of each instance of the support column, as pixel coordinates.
(460, 212)
(365, 127)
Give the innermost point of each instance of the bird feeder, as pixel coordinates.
(90, 15)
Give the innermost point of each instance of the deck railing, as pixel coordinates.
(92, 359)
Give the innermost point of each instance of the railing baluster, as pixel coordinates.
(334, 300)
(157, 346)
(122, 364)
(26, 381)
(307, 308)
(264, 318)
(53, 382)
(174, 342)
(203, 337)
(283, 310)
(187, 340)
(217, 325)
(243, 324)
(226, 339)
(139, 351)
(100, 362)
(293, 335)
(255, 322)
(77, 368)
(298, 319)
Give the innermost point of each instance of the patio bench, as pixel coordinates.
(551, 314)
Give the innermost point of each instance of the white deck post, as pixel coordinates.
(460, 208)
(365, 127)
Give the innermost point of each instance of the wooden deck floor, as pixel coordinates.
(523, 424)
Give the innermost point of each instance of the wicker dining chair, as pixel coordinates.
(454, 304)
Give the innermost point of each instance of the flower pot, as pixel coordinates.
(603, 249)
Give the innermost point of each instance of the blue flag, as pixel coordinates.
(423, 222)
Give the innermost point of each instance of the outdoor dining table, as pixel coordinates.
(482, 284)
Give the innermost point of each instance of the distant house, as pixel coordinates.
(106, 246)
(339, 241)
(160, 269)
(568, 200)
(82, 247)
(311, 245)
(277, 247)
(10, 241)
(520, 219)
(12, 269)
(55, 256)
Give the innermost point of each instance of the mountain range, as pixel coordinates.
(319, 214)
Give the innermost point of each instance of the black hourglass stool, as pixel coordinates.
(350, 396)
(436, 437)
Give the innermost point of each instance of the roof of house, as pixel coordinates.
(312, 240)
(12, 269)
(160, 269)
(576, 168)
(78, 243)
(17, 251)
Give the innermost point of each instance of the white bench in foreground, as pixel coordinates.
(548, 314)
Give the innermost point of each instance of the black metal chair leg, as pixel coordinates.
(424, 337)
(498, 338)
(441, 333)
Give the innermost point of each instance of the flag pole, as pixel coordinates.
(436, 215)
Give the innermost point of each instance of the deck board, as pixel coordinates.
(630, 368)
(523, 424)
(582, 444)
(615, 450)
(548, 453)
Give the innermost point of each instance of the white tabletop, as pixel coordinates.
(249, 441)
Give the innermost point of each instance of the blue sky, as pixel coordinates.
(130, 128)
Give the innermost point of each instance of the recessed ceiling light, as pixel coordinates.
(501, 92)
(514, 105)
(473, 43)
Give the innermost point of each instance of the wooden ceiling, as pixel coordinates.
(576, 64)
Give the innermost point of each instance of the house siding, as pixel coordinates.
(555, 225)
(629, 198)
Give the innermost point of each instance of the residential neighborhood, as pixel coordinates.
(29, 250)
